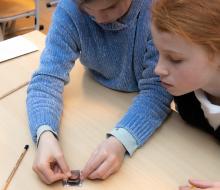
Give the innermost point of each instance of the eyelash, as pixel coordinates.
(175, 61)
(112, 7)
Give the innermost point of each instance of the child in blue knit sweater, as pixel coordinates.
(112, 39)
(187, 35)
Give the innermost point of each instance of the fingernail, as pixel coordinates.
(69, 174)
(82, 176)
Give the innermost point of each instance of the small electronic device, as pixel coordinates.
(74, 180)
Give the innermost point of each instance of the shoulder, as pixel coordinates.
(69, 5)
(146, 7)
(147, 3)
(144, 19)
(70, 8)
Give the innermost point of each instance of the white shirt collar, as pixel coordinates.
(211, 111)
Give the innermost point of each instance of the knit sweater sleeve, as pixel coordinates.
(44, 95)
(151, 106)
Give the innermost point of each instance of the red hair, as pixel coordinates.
(195, 20)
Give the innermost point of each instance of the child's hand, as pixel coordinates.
(49, 163)
(105, 160)
(200, 184)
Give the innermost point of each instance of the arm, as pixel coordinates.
(44, 96)
(151, 106)
(149, 109)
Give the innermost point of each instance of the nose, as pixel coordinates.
(161, 69)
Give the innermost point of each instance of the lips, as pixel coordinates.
(166, 85)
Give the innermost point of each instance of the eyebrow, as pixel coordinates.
(172, 52)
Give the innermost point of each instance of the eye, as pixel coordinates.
(174, 60)
(113, 6)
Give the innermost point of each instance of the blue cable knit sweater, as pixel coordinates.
(120, 55)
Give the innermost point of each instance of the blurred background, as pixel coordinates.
(22, 16)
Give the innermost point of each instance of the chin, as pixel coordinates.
(177, 93)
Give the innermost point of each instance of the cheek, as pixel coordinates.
(115, 14)
(188, 79)
(119, 12)
(122, 11)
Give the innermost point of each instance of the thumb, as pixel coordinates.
(201, 183)
(64, 167)
(58, 176)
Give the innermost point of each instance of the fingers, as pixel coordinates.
(184, 188)
(103, 171)
(51, 176)
(94, 162)
(201, 183)
(49, 162)
(99, 171)
(57, 169)
(52, 172)
(41, 176)
(47, 175)
(188, 188)
(63, 166)
(106, 160)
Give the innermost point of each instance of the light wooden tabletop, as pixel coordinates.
(172, 155)
(15, 7)
(17, 72)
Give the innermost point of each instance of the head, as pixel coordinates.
(105, 11)
(187, 36)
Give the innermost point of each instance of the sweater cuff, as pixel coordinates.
(125, 138)
(44, 128)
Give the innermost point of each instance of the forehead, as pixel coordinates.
(165, 40)
(100, 4)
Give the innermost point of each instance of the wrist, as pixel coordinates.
(126, 139)
(47, 136)
(120, 145)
